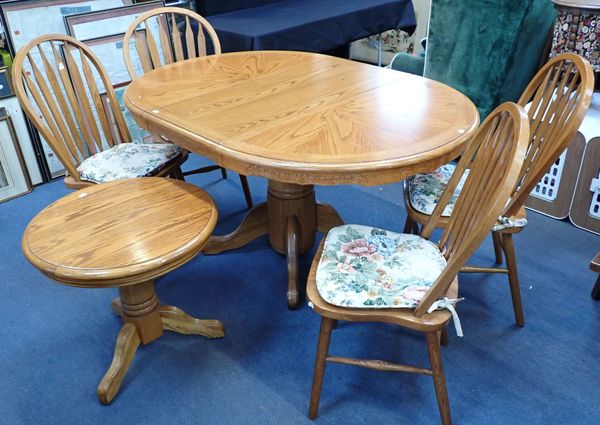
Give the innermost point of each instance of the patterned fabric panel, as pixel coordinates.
(127, 160)
(366, 267)
(424, 190)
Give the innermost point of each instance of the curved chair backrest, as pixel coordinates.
(494, 158)
(558, 98)
(66, 93)
(166, 35)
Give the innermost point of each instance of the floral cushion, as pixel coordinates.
(424, 190)
(366, 267)
(127, 160)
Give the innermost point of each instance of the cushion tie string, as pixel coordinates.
(448, 304)
(507, 223)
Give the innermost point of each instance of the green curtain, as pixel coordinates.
(487, 49)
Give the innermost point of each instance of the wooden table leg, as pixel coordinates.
(176, 320)
(127, 344)
(254, 225)
(291, 217)
(145, 320)
(292, 261)
(292, 212)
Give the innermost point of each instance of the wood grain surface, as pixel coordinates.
(120, 233)
(304, 118)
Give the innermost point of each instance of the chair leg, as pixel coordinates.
(247, 193)
(497, 247)
(320, 360)
(408, 225)
(223, 172)
(513, 277)
(415, 228)
(596, 290)
(444, 336)
(177, 174)
(439, 380)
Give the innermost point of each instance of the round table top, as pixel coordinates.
(120, 233)
(303, 117)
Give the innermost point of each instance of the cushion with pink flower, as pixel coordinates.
(367, 267)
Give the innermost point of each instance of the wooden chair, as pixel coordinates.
(66, 93)
(363, 274)
(167, 35)
(557, 100)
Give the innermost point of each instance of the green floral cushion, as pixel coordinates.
(127, 160)
(424, 190)
(366, 267)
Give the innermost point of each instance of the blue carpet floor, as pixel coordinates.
(56, 341)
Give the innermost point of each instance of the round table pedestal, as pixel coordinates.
(144, 320)
(291, 217)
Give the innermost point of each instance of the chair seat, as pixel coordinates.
(424, 190)
(127, 160)
(366, 267)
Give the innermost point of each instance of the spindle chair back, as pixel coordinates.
(166, 35)
(60, 83)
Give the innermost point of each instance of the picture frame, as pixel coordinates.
(14, 178)
(26, 19)
(6, 88)
(23, 20)
(108, 49)
(109, 22)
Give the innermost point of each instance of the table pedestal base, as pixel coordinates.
(291, 217)
(144, 321)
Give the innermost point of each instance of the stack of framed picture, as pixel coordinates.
(14, 178)
(101, 25)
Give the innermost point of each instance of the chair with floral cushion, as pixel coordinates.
(66, 93)
(557, 100)
(366, 274)
(166, 35)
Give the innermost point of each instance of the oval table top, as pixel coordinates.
(120, 233)
(304, 118)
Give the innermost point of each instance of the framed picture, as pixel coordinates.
(5, 83)
(102, 23)
(14, 179)
(109, 50)
(188, 4)
(26, 19)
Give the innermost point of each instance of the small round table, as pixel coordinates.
(125, 234)
(301, 119)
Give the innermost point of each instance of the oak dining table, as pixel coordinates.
(301, 119)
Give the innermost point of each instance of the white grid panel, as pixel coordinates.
(595, 204)
(547, 188)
